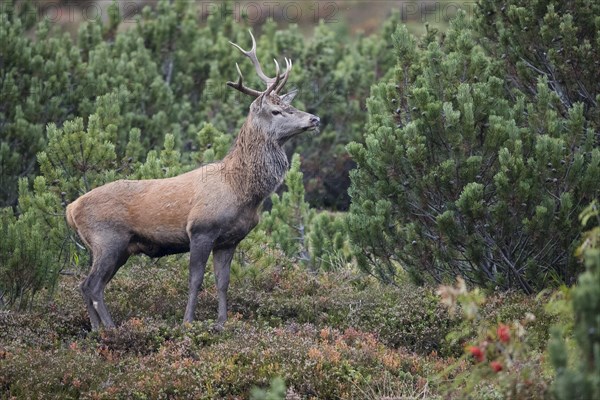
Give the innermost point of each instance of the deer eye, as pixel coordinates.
(275, 112)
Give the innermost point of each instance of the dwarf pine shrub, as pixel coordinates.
(579, 378)
(465, 173)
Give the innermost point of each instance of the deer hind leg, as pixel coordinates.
(107, 260)
(222, 261)
(93, 314)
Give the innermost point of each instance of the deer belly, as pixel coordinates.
(159, 245)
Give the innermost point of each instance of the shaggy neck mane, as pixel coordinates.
(255, 165)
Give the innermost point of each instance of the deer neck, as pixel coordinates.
(255, 166)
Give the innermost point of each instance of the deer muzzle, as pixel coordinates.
(314, 122)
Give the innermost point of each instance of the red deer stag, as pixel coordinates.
(211, 208)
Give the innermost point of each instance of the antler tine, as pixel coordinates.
(286, 74)
(251, 54)
(240, 86)
(275, 82)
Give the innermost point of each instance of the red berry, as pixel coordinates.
(503, 333)
(496, 366)
(476, 352)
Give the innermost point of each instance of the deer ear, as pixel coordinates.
(289, 96)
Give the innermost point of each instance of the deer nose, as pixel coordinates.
(315, 120)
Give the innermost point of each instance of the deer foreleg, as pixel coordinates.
(200, 248)
(222, 260)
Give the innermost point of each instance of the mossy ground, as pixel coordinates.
(332, 335)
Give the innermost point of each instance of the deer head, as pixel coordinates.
(272, 113)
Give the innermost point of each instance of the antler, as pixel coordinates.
(251, 54)
(286, 74)
(273, 84)
(240, 86)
